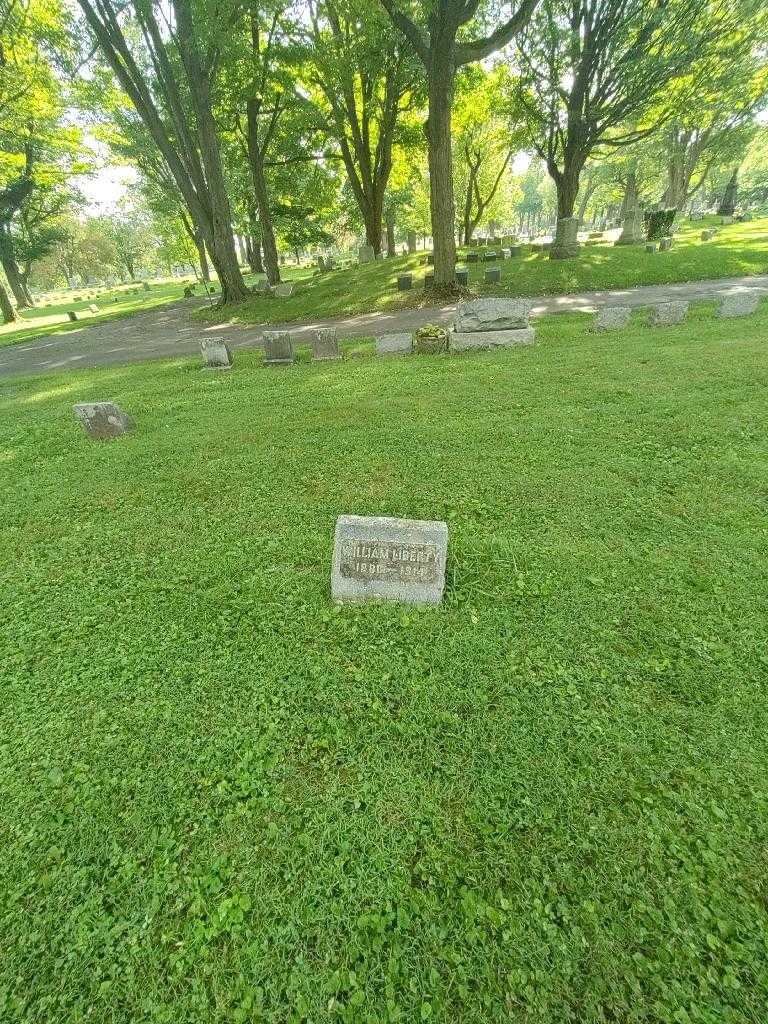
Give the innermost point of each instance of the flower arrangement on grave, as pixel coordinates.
(431, 339)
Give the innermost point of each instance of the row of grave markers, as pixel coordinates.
(379, 558)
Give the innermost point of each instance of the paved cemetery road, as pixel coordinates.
(169, 331)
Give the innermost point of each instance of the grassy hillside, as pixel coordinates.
(226, 800)
(740, 249)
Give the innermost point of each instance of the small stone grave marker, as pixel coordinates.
(667, 314)
(404, 282)
(93, 307)
(278, 348)
(72, 315)
(651, 247)
(394, 345)
(462, 277)
(611, 318)
(493, 276)
(665, 244)
(378, 558)
(216, 354)
(325, 345)
(103, 420)
(740, 304)
(284, 290)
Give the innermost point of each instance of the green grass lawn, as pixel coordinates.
(546, 801)
(738, 250)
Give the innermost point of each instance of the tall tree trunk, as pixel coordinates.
(9, 314)
(728, 202)
(202, 257)
(16, 282)
(233, 287)
(268, 243)
(390, 219)
(256, 262)
(441, 73)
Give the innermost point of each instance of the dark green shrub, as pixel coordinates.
(658, 223)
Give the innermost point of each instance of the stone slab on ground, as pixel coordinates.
(667, 314)
(492, 315)
(740, 304)
(611, 318)
(216, 354)
(394, 345)
(103, 421)
(378, 558)
(278, 348)
(465, 341)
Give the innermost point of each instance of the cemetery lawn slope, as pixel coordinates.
(738, 250)
(225, 799)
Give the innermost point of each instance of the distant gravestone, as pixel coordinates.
(473, 257)
(493, 276)
(462, 277)
(665, 245)
(284, 290)
(404, 282)
(726, 220)
(103, 420)
(611, 318)
(72, 315)
(216, 354)
(515, 251)
(651, 247)
(325, 345)
(394, 345)
(667, 314)
(365, 254)
(93, 307)
(377, 558)
(429, 280)
(278, 348)
(740, 304)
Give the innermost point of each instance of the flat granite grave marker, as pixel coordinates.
(278, 348)
(216, 354)
(610, 318)
(740, 304)
(72, 315)
(404, 282)
(493, 276)
(325, 345)
(491, 323)
(376, 558)
(394, 345)
(283, 290)
(103, 420)
(667, 314)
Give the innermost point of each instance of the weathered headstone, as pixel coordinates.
(739, 304)
(515, 251)
(462, 277)
(490, 256)
(726, 220)
(493, 276)
(493, 314)
(404, 282)
(394, 345)
(93, 307)
(665, 244)
(429, 280)
(103, 420)
(278, 348)
(611, 318)
(651, 247)
(325, 345)
(473, 257)
(216, 354)
(365, 254)
(491, 323)
(633, 228)
(284, 290)
(72, 315)
(377, 558)
(667, 314)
